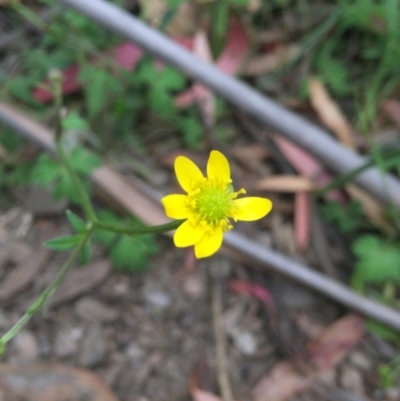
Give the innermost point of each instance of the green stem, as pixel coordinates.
(137, 230)
(45, 295)
(80, 189)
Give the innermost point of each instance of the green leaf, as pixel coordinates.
(100, 87)
(45, 171)
(76, 222)
(73, 121)
(382, 330)
(83, 161)
(348, 219)
(63, 243)
(86, 253)
(127, 253)
(132, 253)
(378, 262)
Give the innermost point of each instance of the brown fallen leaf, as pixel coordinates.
(130, 198)
(251, 157)
(333, 118)
(329, 113)
(201, 395)
(78, 282)
(372, 208)
(26, 271)
(267, 63)
(286, 379)
(302, 220)
(22, 275)
(285, 183)
(51, 383)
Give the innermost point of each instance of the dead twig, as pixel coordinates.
(220, 340)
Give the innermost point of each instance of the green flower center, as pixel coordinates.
(213, 204)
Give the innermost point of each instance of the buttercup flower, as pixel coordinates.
(209, 204)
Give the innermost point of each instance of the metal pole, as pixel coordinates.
(108, 180)
(293, 127)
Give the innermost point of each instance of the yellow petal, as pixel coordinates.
(218, 167)
(187, 234)
(176, 206)
(209, 244)
(250, 209)
(188, 174)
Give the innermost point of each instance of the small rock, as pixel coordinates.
(156, 297)
(361, 360)
(244, 341)
(26, 347)
(393, 393)
(94, 311)
(193, 286)
(134, 351)
(93, 347)
(351, 380)
(66, 342)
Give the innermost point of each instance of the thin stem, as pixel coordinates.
(137, 230)
(76, 181)
(45, 295)
(80, 189)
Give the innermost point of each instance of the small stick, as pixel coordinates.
(219, 331)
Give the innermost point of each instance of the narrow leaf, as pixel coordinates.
(63, 243)
(76, 222)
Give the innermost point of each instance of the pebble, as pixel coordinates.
(66, 341)
(26, 347)
(95, 311)
(92, 347)
(156, 297)
(351, 380)
(361, 360)
(244, 341)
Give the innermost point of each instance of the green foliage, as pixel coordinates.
(378, 261)
(63, 243)
(100, 87)
(332, 69)
(76, 222)
(382, 330)
(347, 219)
(161, 84)
(127, 253)
(48, 172)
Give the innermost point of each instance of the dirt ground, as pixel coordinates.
(151, 335)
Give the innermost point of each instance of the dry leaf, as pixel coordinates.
(183, 23)
(51, 383)
(371, 207)
(302, 220)
(285, 183)
(22, 275)
(329, 113)
(78, 282)
(285, 379)
(200, 395)
(204, 97)
(270, 62)
(307, 166)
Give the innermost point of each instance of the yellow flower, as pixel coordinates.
(209, 205)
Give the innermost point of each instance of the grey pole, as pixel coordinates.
(297, 129)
